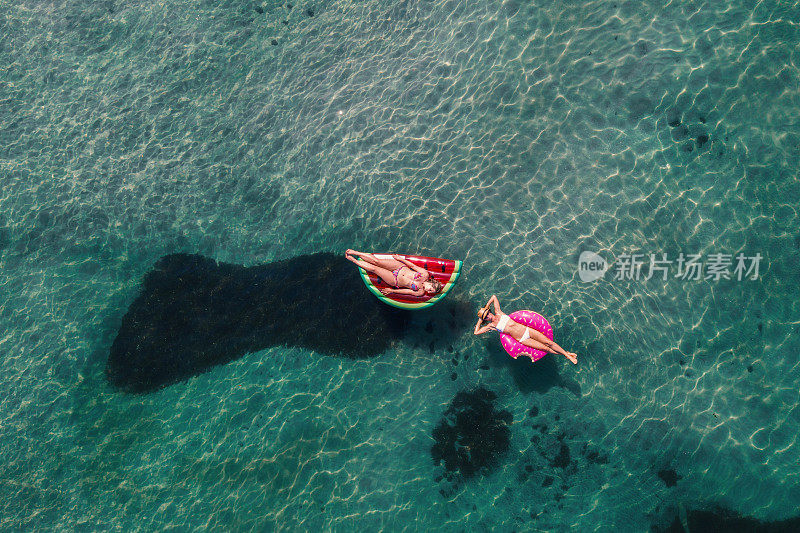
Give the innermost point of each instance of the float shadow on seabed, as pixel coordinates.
(193, 313)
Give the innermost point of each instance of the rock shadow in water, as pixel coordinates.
(718, 519)
(194, 313)
(472, 436)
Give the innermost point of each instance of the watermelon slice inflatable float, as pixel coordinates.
(446, 271)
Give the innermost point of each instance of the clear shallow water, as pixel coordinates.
(513, 136)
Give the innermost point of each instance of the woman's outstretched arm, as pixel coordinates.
(493, 300)
(481, 330)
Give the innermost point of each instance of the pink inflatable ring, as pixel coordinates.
(532, 320)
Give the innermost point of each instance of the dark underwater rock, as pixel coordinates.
(5, 237)
(472, 436)
(562, 460)
(596, 457)
(193, 313)
(718, 520)
(669, 477)
(674, 117)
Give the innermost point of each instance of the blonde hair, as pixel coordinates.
(437, 285)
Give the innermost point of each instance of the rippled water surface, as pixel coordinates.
(512, 135)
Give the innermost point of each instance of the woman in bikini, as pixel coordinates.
(503, 323)
(404, 276)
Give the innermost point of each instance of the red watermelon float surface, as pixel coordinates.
(446, 271)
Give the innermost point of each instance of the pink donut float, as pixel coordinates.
(532, 320)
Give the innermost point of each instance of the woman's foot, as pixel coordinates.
(572, 357)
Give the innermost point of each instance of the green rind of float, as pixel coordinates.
(421, 305)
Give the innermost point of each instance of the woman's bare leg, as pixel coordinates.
(385, 275)
(549, 346)
(388, 263)
(536, 345)
(539, 336)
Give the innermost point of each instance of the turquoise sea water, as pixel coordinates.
(512, 135)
